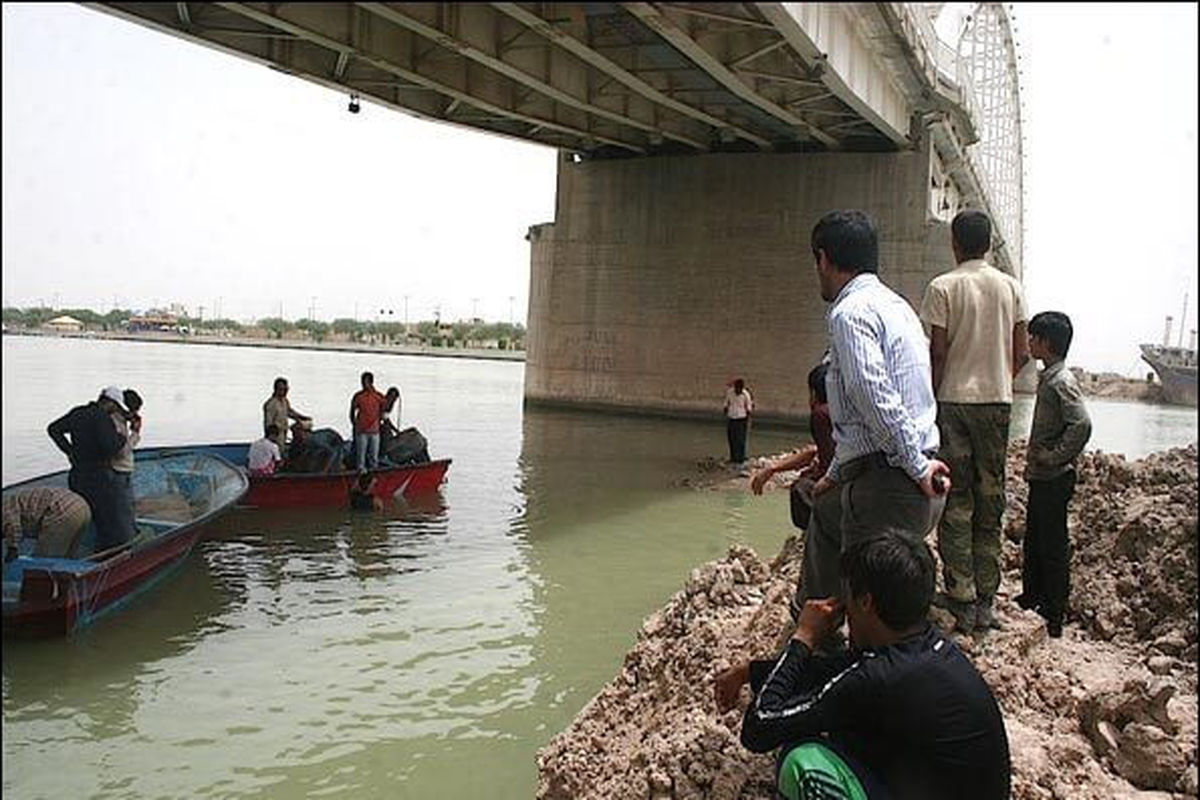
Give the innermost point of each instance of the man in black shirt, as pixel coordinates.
(94, 441)
(903, 714)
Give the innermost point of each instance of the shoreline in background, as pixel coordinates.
(286, 344)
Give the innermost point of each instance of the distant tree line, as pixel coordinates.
(428, 332)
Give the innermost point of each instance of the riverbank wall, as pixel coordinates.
(485, 354)
(1107, 711)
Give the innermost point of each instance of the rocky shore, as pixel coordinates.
(1107, 711)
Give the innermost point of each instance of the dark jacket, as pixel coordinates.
(916, 714)
(94, 439)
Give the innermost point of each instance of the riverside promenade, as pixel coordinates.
(486, 354)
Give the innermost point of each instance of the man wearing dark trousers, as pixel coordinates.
(1061, 428)
(880, 391)
(92, 445)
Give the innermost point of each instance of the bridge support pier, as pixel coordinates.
(662, 278)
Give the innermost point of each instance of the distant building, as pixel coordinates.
(153, 321)
(64, 324)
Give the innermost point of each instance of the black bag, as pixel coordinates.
(406, 447)
(801, 510)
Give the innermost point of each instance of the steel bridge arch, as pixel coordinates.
(987, 55)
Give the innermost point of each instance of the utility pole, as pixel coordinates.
(405, 315)
(474, 308)
(510, 310)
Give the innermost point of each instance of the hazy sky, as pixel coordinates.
(140, 169)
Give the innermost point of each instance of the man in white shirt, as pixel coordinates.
(976, 318)
(880, 395)
(738, 407)
(264, 455)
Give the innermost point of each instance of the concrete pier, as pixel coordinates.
(661, 279)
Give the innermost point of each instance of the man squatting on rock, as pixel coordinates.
(884, 471)
(902, 714)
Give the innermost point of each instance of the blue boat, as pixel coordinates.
(176, 495)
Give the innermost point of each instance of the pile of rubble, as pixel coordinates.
(1109, 710)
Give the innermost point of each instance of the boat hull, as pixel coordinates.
(57, 602)
(304, 490)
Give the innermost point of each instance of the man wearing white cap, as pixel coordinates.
(94, 442)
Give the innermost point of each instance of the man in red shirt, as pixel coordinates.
(366, 410)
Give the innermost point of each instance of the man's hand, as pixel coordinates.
(936, 481)
(135, 423)
(760, 478)
(728, 685)
(816, 621)
(822, 486)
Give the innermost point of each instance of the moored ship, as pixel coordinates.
(1176, 368)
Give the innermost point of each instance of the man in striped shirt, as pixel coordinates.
(880, 392)
(57, 518)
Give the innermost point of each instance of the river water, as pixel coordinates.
(425, 651)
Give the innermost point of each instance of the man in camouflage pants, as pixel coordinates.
(976, 318)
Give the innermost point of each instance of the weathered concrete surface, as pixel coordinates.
(661, 279)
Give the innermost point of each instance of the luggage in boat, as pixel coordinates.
(406, 447)
(321, 452)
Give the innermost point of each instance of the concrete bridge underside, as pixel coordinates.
(698, 145)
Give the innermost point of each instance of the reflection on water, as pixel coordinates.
(425, 651)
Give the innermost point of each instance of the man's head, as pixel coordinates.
(844, 244)
(301, 428)
(133, 401)
(738, 385)
(111, 399)
(368, 380)
(281, 387)
(970, 235)
(1050, 335)
(393, 394)
(272, 431)
(888, 583)
(816, 384)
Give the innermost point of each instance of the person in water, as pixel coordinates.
(362, 497)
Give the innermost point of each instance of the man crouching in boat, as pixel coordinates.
(56, 517)
(904, 714)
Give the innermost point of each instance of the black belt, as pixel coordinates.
(865, 463)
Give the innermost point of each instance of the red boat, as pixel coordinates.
(175, 496)
(292, 489)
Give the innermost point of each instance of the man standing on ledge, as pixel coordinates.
(880, 394)
(976, 317)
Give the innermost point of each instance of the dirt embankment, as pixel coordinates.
(1112, 386)
(1108, 711)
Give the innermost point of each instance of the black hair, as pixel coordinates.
(1054, 328)
(897, 571)
(368, 377)
(279, 381)
(738, 385)
(133, 400)
(272, 430)
(392, 390)
(816, 381)
(849, 240)
(972, 232)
